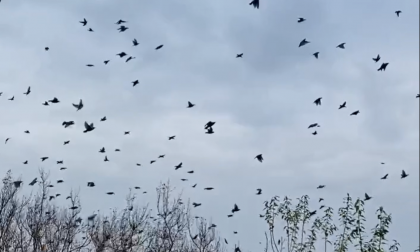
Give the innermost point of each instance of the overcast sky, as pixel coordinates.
(262, 103)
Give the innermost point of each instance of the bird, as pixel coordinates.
(235, 208)
(355, 113)
(171, 138)
(27, 131)
(385, 177)
(11, 99)
(106, 62)
(110, 193)
(135, 43)
(90, 30)
(314, 125)
(88, 127)
(341, 46)
(255, 3)
(367, 197)
(60, 181)
(320, 187)
(158, 47)
(45, 103)
(84, 22)
(117, 150)
(60, 162)
(316, 55)
(178, 166)
(78, 106)
(320, 199)
(54, 100)
(33, 182)
(343, 105)
(259, 157)
(122, 28)
(300, 20)
(304, 42)
(190, 105)
(209, 124)
(161, 156)
(383, 67)
(122, 54)
(239, 55)
(378, 58)
(106, 159)
(63, 168)
(102, 150)
(103, 119)
(418, 96)
(208, 188)
(129, 58)
(90, 65)
(26, 162)
(43, 159)
(398, 12)
(46, 48)
(7, 140)
(194, 185)
(67, 124)
(259, 191)
(136, 82)
(403, 174)
(315, 133)
(120, 22)
(318, 101)
(17, 183)
(28, 91)
(196, 204)
(126, 132)
(90, 184)
(153, 161)
(190, 172)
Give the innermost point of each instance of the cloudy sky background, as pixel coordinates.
(261, 103)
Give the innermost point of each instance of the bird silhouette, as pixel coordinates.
(54, 100)
(7, 140)
(378, 58)
(33, 182)
(102, 150)
(383, 67)
(28, 91)
(43, 159)
(304, 42)
(318, 101)
(12, 98)
(106, 159)
(110, 193)
(122, 28)
(179, 166)
(136, 82)
(259, 191)
(367, 197)
(90, 30)
(355, 113)
(171, 138)
(126, 132)
(316, 55)
(78, 106)
(129, 58)
(209, 188)
(300, 20)
(190, 105)
(122, 54)
(385, 177)
(398, 12)
(161, 156)
(158, 47)
(239, 55)
(84, 22)
(120, 22)
(403, 174)
(314, 125)
(66, 142)
(135, 43)
(209, 124)
(68, 124)
(255, 3)
(88, 127)
(315, 133)
(106, 62)
(235, 208)
(343, 105)
(259, 157)
(210, 130)
(320, 187)
(341, 46)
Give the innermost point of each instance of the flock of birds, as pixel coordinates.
(208, 127)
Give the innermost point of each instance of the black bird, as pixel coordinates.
(135, 43)
(17, 183)
(90, 30)
(235, 209)
(312, 214)
(136, 82)
(161, 156)
(54, 100)
(190, 105)
(398, 12)
(196, 204)
(320, 187)
(300, 20)
(178, 166)
(106, 159)
(255, 3)
(355, 113)
(47, 48)
(66, 142)
(102, 150)
(404, 174)
(90, 65)
(129, 58)
(209, 124)
(60, 181)
(103, 119)
(27, 132)
(11, 99)
(120, 22)
(190, 172)
(318, 101)
(117, 150)
(28, 91)
(314, 125)
(385, 177)
(208, 188)
(153, 161)
(138, 164)
(45, 103)
(184, 179)
(137, 187)
(316, 55)
(33, 182)
(304, 42)
(378, 58)
(110, 193)
(78, 106)
(122, 28)
(343, 105)
(367, 197)
(194, 185)
(259, 157)
(230, 215)
(106, 62)
(63, 168)
(88, 127)
(43, 159)
(26, 162)
(320, 199)
(67, 124)
(84, 22)
(239, 55)
(259, 191)
(122, 54)
(90, 184)
(60, 162)
(383, 67)
(418, 96)
(157, 48)
(341, 46)
(171, 138)
(315, 133)
(126, 132)
(210, 130)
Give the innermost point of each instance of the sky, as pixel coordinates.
(261, 103)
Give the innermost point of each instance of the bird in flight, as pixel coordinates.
(378, 58)
(385, 177)
(341, 46)
(404, 174)
(355, 113)
(126, 132)
(103, 119)
(171, 138)
(383, 67)
(7, 140)
(190, 105)
(303, 42)
(315, 133)
(178, 166)
(88, 127)
(209, 124)
(318, 101)
(43, 159)
(239, 55)
(367, 197)
(11, 99)
(106, 62)
(135, 42)
(343, 105)
(255, 3)
(78, 106)
(314, 125)
(259, 157)
(54, 100)
(27, 91)
(320, 187)
(129, 58)
(398, 12)
(300, 20)
(159, 47)
(235, 208)
(316, 55)
(122, 28)
(259, 191)
(122, 54)
(136, 82)
(67, 124)
(120, 22)
(90, 30)
(210, 130)
(84, 22)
